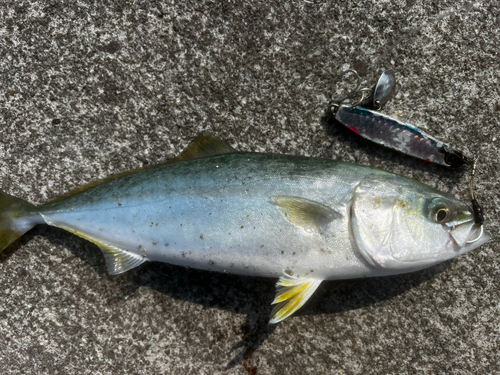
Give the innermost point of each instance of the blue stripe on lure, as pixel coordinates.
(361, 119)
(398, 136)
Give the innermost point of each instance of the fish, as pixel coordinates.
(298, 219)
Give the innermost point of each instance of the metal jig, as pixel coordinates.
(389, 132)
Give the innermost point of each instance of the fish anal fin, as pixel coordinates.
(291, 294)
(305, 213)
(118, 260)
(203, 146)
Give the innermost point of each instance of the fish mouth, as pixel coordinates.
(468, 236)
(481, 232)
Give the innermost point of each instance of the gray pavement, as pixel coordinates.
(92, 88)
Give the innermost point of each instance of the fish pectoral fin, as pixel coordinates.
(203, 146)
(305, 213)
(119, 260)
(291, 294)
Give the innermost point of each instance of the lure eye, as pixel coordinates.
(454, 160)
(441, 215)
(450, 159)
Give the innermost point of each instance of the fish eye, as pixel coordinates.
(441, 214)
(440, 211)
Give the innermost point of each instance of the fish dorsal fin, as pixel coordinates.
(291, 294)
(305, 213)
(118, 260)
(203, 146)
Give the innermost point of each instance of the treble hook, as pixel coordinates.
(375, 98)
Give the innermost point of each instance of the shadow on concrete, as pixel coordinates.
(249, 296)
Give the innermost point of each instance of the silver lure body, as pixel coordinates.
(399, 136)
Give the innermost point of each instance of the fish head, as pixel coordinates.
(402, 225)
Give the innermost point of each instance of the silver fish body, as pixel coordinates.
(218, 214)
(263, 215)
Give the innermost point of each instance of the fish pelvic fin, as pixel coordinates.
(291, 294)
(307, 214)
(13, 223)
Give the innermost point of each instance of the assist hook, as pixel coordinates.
(476, 208)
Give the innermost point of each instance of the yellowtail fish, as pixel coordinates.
(299, 219)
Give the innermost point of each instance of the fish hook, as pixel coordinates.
(476, 208)
(374, 97)
(334, 104)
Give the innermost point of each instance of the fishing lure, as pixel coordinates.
(301, 220)
(377, 127)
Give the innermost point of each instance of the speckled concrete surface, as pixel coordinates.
(91, 88)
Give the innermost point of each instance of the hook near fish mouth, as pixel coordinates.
(481, 232)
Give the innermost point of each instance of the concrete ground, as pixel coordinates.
(91, 88)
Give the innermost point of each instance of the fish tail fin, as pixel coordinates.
(13, 220)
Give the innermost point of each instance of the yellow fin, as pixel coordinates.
(11, 210)
(202, 146)
(117, 260)
(291, 294)
(305, 213)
